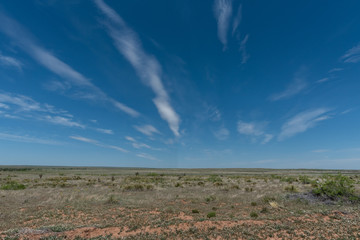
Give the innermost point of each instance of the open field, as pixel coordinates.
(125, 203)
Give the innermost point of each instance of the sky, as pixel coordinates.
(180, 84)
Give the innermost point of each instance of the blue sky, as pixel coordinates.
(180, 83)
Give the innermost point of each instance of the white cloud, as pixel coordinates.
(237, 19)
(250, 128)
(106, 131)
(84, 139)
(302, 122)
(352, 55)
(323, 80)
(297, 85)
(223, 11)
(335, 70)
(10, 62)
(147, 156)
(245, 56)
(2, 105)
(148, 130)
(222, 133)
(27, 43)
(131, 139)
(27, 139)
(255, 130)
(267, 138)
(24, 107)
(146, 66)
(97, 143)
(59, 120)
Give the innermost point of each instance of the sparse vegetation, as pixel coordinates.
(13, 185)
(168, 204)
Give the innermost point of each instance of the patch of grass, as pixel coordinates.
(304, 179)
(112, 200)
(211, 214)
(291, 188)
(268, 199)
(253, 204)
(264, 210)
(13, 185)
(210, 198)
(138, 187)
(254, 214)
(247, 189)
(195, 211)
(214, 178)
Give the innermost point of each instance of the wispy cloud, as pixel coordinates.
(335, 70)
(352, 55)
(146, 66)
(245, 56)
(255, 130)
(148, 130)
(27, 139)
(147, 156)
(323, 80)
(237, 19)
(302, 122)
(297, 85)
(27, 43)
(24, 107)
(223, 11)
(10, 62)
(222, 133)
(106, 131)
(4, 106)
(97, 143)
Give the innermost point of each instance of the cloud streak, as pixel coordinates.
(298, 84)
(27, 43)
(97, 143)
(302, 122)
(26, 139)
(10, 62)
(222, 12)
(255, 130)
(146, 66)
(24, 107)
(352, 55)
(148, 130)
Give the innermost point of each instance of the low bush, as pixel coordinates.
(338, 186)
(12, 185)
(211, 214)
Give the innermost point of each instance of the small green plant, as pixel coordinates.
(210, 198)
(247, 189)
(304, 179)
(291, 188)
(152, 174)
(335, 187)
(264, 210)
(112, 200)
(268, 199)
(195, 211)
(254, 214)
(12, 185)
(253, 204)
(211, 214)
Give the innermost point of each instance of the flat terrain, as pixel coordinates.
(126, 203)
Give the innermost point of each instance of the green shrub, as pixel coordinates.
(253, 204)
(195, 211)
(12, 185)
(211, 214)
(335, 186)
(264, 210)
(304, 179)
(254, 215)
(210, 199)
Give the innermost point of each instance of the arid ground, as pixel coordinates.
(127, 203)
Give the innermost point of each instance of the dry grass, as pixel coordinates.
(160, 204)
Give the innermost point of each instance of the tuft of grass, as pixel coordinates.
(264, 210)
(253, 204)
(211, 214)
(195, 211)
(13, 185)
(254, 214)
(291, 188)
(210, 198)
(112, 200)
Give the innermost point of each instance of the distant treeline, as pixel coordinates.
(16, 169)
